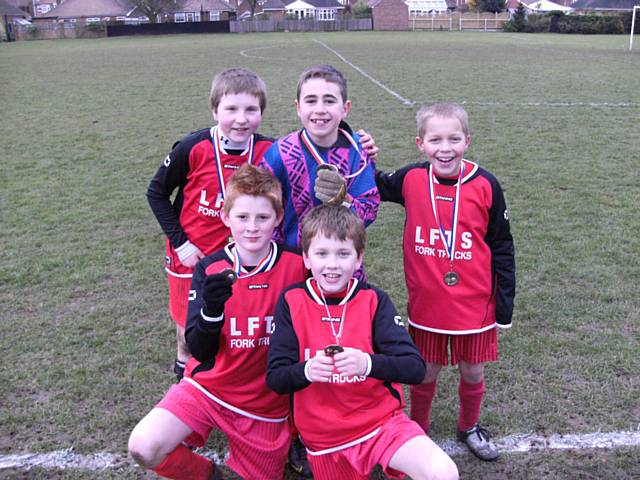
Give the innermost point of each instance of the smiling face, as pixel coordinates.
(321, 108)
(444, 143)
(332, 262)
(251, 220)
(238, 116)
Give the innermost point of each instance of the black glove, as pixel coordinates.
(215, 292)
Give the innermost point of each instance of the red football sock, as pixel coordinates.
(470, 395)
(421, 399)
(183, 464)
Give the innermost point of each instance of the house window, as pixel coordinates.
(190, 17)
(93, 20)
(179, 18)
(214, 15)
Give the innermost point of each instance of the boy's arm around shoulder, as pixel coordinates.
(172, 174)
(202, 333)
(503, 261)
(390, 183)
(285, 371)
(395, 357)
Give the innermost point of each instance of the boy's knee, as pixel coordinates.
(447, 470)
(143, 451)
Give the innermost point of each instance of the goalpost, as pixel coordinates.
(633, 25)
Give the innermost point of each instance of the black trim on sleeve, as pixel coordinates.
(172, 175)
(395, 357)
(390, 183)
(500, 241)
(202, 336)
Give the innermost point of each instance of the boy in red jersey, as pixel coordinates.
(198, 167)
(341, 348)
(459, 264)
(230, 321)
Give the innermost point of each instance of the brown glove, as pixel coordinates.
(330, 186)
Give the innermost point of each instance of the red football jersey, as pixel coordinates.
(348, 408)
(484, 254)
(236, 374)
(195, 213)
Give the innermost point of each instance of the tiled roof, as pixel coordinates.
(91, 8)
(6, 9)
(202, 6)
(273, 5)
(594, 4)
(320, 3)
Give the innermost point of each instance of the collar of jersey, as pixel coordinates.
(472, 166)
(269, 266)
(318, 298)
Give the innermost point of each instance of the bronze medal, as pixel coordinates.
(327, 166)
(230, 274)
(331, 350)
(451, 278)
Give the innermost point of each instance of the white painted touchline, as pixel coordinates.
(521, 443)
(366, 75)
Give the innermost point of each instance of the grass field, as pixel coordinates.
(85, 339)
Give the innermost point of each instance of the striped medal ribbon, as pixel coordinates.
(451, 278)
(215, 140)
(320, 161)
(265, 264)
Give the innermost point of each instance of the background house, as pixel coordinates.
(314, 9)
(10, 15)
(544, 6)
(604, 5)
(389, 14)
(88, 11)
(200, 11)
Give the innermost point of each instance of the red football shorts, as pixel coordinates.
(257, 449)
(179, 298)
(357, 462)
(472, 348)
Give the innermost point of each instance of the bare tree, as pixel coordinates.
(152, 8)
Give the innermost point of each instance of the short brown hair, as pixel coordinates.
(442, 109)
(234, 81)
(255, 181)
(326, 72)
(333, 221)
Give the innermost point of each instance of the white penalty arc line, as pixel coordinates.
(522, 443)
(245, 53)
(404, 101)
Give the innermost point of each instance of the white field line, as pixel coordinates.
(366, 75)
(407, 102)
(521, 443)
(245, 53)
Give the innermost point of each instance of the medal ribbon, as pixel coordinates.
(215, 140)
(265, 264)
(320, 161)
(344, 310)
(449, 242)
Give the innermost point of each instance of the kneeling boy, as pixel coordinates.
(340, 347)
(229, 325)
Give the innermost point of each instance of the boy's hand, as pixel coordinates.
(330, 186)
(215, 292)
(189, 254)
(368, 145)
(352, 362)
(319, 368)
